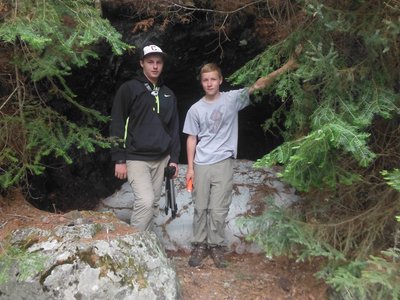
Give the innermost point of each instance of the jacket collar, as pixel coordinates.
(142, 78)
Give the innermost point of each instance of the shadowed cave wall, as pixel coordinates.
(90, 177)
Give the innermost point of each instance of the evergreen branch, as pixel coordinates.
(266, 81)
(68, 95)
(341, 132)
(190, 8)
(309, 161)
(49, 39)
(280, 233)
(392, 177)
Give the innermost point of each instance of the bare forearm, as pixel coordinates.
(190, 149)
(265, 81)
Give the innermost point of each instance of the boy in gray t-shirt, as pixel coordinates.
(212, 127)
(215, 123)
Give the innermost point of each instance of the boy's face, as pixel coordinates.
(152, 65)
(210, 82)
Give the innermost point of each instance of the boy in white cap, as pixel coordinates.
(145, 121)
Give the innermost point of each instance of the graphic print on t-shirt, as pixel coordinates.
(214, 121)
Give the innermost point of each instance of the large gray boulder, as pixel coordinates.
(89, 261)
(251, 188)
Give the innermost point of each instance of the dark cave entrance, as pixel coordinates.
(90, 177)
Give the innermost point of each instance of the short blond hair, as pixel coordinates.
(210, 67)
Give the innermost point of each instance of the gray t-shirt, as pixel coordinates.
(215, 123)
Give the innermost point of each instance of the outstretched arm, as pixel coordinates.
(265, 81)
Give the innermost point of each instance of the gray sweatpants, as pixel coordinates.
(146, 179)
(212, 196)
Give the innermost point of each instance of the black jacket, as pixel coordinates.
(144, 134)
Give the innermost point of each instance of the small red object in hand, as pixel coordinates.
(189, 185)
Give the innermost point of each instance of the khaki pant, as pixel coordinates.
(212, 196)
(146, 179)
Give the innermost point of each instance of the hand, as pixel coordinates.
(298, 50)
(189, 175)
(189, 185)
(176, 169)
(292, 62)
(121, 171)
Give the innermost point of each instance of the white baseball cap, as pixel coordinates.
(152, 49)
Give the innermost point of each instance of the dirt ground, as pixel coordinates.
(248, 276)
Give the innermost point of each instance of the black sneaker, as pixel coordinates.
(217, 254)
(199, 253)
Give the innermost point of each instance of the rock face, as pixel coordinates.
(88, 262)
(251, 188)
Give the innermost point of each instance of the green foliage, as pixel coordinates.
(45, 40)
(392, 178)
(282, 233)
(375, 278)
(339, 118)
(41, 132)
(313, 161)
(28, 264)
(58, 35)
(332, 99)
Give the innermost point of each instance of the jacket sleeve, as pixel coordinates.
(174, 131)
(119, 117)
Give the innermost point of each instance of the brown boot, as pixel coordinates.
(199, 252)
(217, 254)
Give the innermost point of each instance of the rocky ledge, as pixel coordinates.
(88, 258)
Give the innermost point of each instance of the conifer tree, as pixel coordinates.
(44, 41)
(339, 117)
(347, 78)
